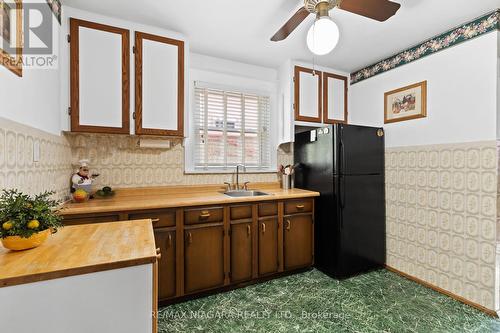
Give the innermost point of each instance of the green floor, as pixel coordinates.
(312, 302)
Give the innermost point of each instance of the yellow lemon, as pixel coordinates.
(7, 225)
(33, 224)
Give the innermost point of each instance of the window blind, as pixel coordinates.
(231, 128)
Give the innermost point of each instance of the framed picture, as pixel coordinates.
(55, 7)
(406, 103)
(11, 35)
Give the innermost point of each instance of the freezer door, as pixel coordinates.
(361, 150)
(362, 224)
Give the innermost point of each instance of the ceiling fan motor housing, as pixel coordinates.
(320, 7)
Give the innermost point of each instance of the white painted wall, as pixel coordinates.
(462, 96)
(33, 99)
(114, 301)
(230, 74)
(69, 12)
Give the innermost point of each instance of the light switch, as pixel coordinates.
(36, 151)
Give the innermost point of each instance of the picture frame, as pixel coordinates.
(11, 57)
(406, 103)
(56, 8)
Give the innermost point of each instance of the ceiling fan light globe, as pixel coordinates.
(323, 36)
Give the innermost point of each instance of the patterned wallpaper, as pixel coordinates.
(483, 25)
(121, 163)
(17, 169)
(442, 216)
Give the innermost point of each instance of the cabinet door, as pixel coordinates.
(268, 246)
(334, 98)
(159, 79)
(165, 240)
(241, 252)
(203, 258)
(298, 241)
(100, 78)
(307, 95)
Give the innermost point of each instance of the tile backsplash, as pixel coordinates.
(442, 216)
(121, 163)
(17, 166)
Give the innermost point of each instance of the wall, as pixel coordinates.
(441, 171)
(462, 89)
(34, 98)
(17, 167)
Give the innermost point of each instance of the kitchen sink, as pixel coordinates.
(239, 194)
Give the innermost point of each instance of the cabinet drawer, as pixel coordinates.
(298, 206)
(203, 215)
(161, 219)
(268, 209)
(240, 212)
(89, 219)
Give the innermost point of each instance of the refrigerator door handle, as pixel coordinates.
(342, 191)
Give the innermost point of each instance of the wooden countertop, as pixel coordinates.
(185, 196)
(81, 249)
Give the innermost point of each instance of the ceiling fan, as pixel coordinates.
(324, 34)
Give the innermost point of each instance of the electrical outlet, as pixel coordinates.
(36, 151)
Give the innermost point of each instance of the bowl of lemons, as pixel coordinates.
(27, 221)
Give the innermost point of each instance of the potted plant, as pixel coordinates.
(27, 221)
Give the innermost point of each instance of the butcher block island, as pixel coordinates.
(210, 241)
(82, 269)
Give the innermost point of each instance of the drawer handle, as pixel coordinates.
(155, 221)
(263, 228)
(169, 240)
(249, 230)
(300, 207)
(288, 225)
(205, 214)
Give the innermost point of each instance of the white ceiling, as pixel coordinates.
(240, 30)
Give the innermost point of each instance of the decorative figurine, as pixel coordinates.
(81, 182)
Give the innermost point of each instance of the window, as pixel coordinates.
(231, 128)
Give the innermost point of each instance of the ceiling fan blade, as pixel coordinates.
(290, 26)
(380, 10)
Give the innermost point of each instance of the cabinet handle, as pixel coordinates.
(288, 225)
(189, 238)
(249, 230)
(169, 240)
(158, 253)
(300, 207)
(263, 228)
(205, 214)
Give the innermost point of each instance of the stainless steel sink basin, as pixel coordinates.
(239, 194)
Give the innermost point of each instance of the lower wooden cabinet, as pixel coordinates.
(241, 252)
(298, 241)
(166, 241)
(268, 246)
(203, 258)
(206, 248)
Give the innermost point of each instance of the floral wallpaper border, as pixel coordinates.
(478, 27)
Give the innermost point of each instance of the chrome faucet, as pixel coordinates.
(238, 175)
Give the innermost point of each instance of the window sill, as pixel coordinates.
(228, 172)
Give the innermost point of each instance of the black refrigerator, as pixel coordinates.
(345, 164)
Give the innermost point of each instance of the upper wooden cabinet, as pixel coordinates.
(159, 85)
(334, 98)
(100, 78)
(307, 103)
(319, 97)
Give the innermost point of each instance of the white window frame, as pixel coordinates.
(190, 141)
